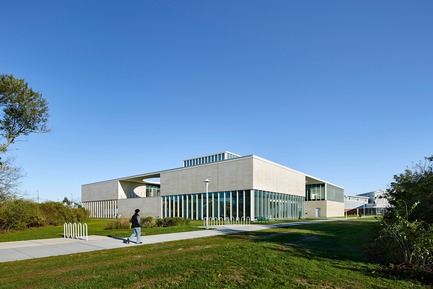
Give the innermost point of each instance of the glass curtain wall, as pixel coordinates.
(271, 205)
(334, 193)
(230, 204)
(234, 204)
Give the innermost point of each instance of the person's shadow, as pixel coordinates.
(124, 240)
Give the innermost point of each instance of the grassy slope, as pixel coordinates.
(326, 255)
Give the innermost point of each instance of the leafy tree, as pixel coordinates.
(412, 186)
(24, 111)
(66, 201)
(413, 238)
(407, 225)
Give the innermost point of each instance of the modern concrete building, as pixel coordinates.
(371, 203)
(239, 187)
(355, 205)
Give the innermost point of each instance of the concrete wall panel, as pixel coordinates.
(335, 209)
(108, 190)
(223, 176)
(327, 209)
(269, 176)
(147, 206)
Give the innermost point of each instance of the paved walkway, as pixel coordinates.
(23, 250)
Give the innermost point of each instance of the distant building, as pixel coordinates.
(371, 203)
(239, 187)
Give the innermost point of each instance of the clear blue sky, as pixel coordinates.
(340, 90)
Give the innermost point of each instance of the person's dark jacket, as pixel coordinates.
(135, 220)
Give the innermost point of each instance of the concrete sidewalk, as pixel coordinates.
(23, 250)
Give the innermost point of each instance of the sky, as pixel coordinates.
(339, 90)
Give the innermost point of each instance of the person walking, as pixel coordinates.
(136, 227)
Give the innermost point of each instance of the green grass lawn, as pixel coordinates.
(98, 227)
(95, 227)
(323, 255)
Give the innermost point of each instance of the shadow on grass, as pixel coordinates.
(346, 241)
(339, 240)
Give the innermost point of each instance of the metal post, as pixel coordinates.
(207, 203)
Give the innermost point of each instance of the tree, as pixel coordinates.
(412, 186)
(9, 180)
(407, 225)
(66, 202)
(24, 111)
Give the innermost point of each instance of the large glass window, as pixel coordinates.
(234, 204)
(247, 205)
(277, 206)
(241, 202)
(315, 192)
(228, 205)
(335, 193)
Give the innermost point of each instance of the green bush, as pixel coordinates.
(119, 224)
(17, 214)
(160, 222)
(20, 214)
(80, 214)
(56, 213)
(171, 222)
(148, 222)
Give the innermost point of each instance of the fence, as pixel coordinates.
(75, 231)
(227, 221)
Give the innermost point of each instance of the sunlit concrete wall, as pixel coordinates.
(234, 174)
(249, 172)
(106, 190)
(327, 209)
(272, 177)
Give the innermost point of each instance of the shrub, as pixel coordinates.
(170, 222)
(178, 221)
(20, 214)
(17, 214)
(412, 239)
(80, 214)
(159, 222)
(148, 222)
(119, 224)
(56, 213)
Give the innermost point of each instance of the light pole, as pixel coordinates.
(207, 203)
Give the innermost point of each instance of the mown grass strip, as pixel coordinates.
(95, 227)
(325, 255)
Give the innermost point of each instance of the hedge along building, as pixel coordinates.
(239, 187)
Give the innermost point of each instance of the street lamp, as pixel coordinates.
(207, 203)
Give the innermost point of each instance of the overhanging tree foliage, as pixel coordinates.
(24, 111)
(413, 186)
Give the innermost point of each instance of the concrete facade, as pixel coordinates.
(239, 187)
(320, 209)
